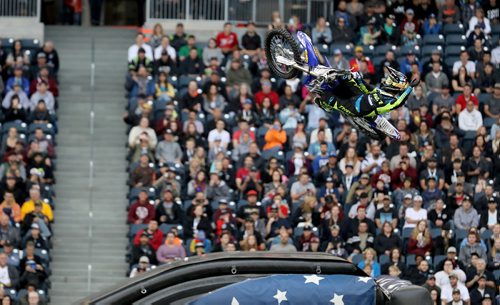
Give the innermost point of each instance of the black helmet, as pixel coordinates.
(395, 81)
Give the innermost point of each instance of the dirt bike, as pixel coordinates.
(286, 59)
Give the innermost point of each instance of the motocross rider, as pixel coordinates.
(348, 93)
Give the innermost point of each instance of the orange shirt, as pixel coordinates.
(274, 138)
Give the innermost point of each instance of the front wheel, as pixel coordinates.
(281, 43)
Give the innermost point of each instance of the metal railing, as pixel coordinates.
(20, 8)
(237, 10)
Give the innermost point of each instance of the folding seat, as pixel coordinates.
(457, 28)
(456, 39)
(433, 40)
(454, 50)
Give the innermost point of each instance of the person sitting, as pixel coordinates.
(420, 241)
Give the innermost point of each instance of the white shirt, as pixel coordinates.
(314, 136)
(370, 211)
(170, 50)
(414, 215)
(4, 275)
(369, 160)
(446, 292)
(473, 22)
(495, 56)
(224, 136)
(470, 121)
(470, 66)
(492, 218)
(443, 278)
(134, 49)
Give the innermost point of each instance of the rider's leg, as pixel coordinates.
(390, 102)
(329, 102)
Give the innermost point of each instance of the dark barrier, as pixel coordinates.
(182, 281)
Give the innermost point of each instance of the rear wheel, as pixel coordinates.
(281, 43)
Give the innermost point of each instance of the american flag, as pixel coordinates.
(295, 289)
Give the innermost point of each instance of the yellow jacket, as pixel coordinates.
(29, 206)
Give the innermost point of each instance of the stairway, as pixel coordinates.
(79, 240)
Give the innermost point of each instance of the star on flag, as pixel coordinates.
(280, 296)
(313, 279)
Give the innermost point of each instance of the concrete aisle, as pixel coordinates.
(103, 245)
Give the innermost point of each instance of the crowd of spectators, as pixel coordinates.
(29, 90)
(226, 157)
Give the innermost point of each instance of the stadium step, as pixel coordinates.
(73, 249)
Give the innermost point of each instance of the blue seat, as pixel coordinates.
(407, 232)
(457, 28)
(346, 49)
(30, 43)
(20, 126)
(324, 49)
(410, 260)
(382, 49)
(47, 128)
(438, 259)
(136, 228)
(460, 234)
(383, 259)
(165, 228)
(496, 273)
(241, 203)
(450, 60)
(495, 29)
(174, 80)
(134, 193)
(377, 60)
(486, 234)
(433, 40)
(369, 51)
(7, 43)
(298, 232)
(404, 50)
(428, 49)
(435, 233)
(456, 40)
(356, 259)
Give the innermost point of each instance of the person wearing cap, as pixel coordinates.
(304, 241)
(409, 27)
(19, 79)
(358, 58)
(436, 78)
(144, 248)
(35, 236)
(140, 43)
(466, 216)
(431, 25)
(142, 267)
(370, 33)
(165, 47)
(237, 74)
(168, 211)
(415, 214)
(357, 187)
(390, 33)
(455, 291)
(364, 200)
(432, 192)
(491, 216)
(168, 150)
(481, 19)
(22, 97)
(338, 60)
(245, 211)
(341, 33)
(476, 272)
(36, 204)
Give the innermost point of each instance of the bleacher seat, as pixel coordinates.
(437, 260)
(324, 49)
(450, 60)
(136, 228)
(496, 273)
(410, 260)
(456, 39)
(369, 51)
(7, 43)
(428, 49)
(383, 259)
(346, 49)
(460, 234)
(433, 40)
(495, 29)
(47, 128)
(357, 258)
(20, 126)
(454, 50)
(382, 49)
(457, 28)
(407, 233)
(404, 50)
(436, 232)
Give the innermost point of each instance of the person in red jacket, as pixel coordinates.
(155, 236)
(267, 92)
(355, 62)
(463, 98)
(227, 40)
(141, 211)
(402, 172)
(420, 241)
(43, 74)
